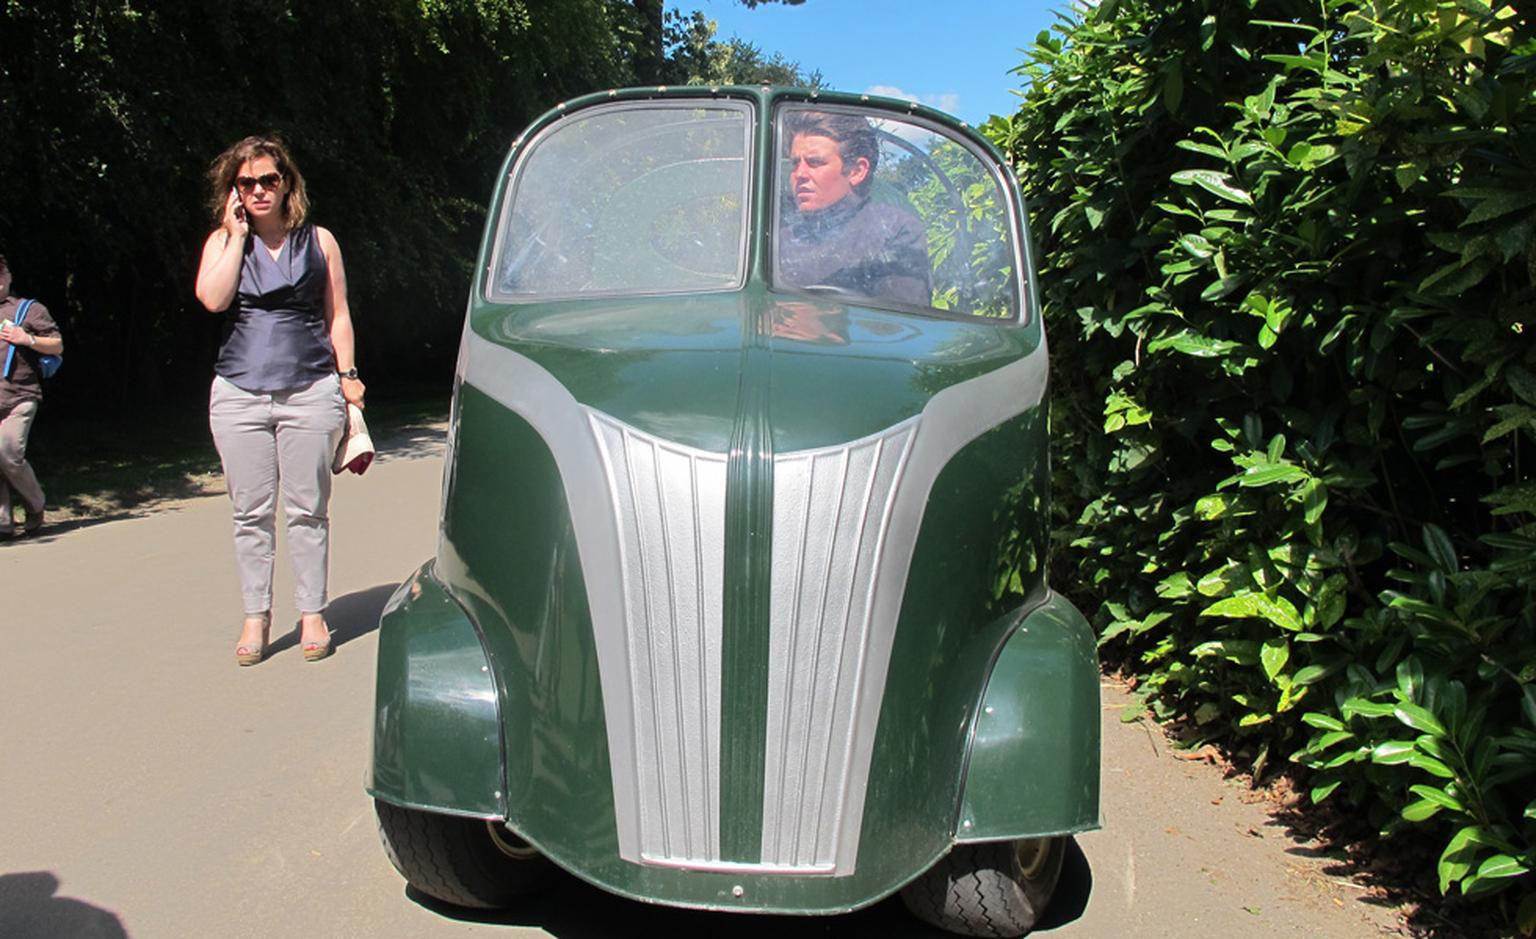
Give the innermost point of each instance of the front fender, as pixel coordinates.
(1033, 767)
(436, 730)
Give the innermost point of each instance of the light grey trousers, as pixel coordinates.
(16, 474)
(271, 443)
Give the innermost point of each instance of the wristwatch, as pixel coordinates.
(349, 373)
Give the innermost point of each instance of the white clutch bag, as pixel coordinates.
(356, 450)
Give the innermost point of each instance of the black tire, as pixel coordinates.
(464, 861)
(998, 888)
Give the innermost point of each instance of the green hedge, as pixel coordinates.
(1287, 261)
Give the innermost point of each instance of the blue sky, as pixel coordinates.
(952, 54)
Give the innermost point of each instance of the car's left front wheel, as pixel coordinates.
(468, 862)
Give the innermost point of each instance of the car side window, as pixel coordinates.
(628, 199)
(893, 210)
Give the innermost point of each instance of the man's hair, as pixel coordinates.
(851, 132)
(226, 166)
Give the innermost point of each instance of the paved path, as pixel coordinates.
(150, 788)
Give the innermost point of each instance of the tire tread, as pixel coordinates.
(979, 890)
(452, 859)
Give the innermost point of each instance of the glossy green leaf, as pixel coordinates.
(1410, 172)
(1439, 546)
(1239, 651)
(1312, 674)
(1322, 721)
(1215, 182)
(1501, 204)
(1329, 740)
(1367, 708)
(1393, 752)
(1211, 507)
(1418, 718)
(1323, 790)
(1203, 148)
(1410, 678)
(1438, 796)
(1458, 858)
(1277, 610)
(1175, 586)
(1314, 499)
(1311, 63)
(1501, 865)
(1431, 765)
(1273, 656)
(1193, 344)
(1331, 601)
(1270, 474)
(1421, 810)
(1197, 246)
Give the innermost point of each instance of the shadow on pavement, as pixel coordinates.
(139, 485)
(1072, 891)
(411, 441)
(126, 507)
(30, 910)
(1352, 850)
(349, 617)
(573, 909)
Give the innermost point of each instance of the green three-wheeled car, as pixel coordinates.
(739, 598)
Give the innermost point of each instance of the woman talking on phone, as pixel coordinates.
(284, 374)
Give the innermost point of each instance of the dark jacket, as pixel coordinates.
(866, 247)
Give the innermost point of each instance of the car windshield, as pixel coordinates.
(629, 198)
(893, 210)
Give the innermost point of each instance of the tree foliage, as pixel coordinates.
(398, 112)
(1288, 262)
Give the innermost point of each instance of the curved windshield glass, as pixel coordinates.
(892, 210)
(632, 198)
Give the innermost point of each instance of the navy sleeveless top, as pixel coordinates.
(276, 339)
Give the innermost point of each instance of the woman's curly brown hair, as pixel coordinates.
(226, 166)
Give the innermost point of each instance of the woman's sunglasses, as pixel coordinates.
(268, 181)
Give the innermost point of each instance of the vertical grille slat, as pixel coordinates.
(820, 636)
(669, 504)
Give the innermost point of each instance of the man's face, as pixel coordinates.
(818, 175)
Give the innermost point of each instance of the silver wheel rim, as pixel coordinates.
(509, 844)
(1032, 854)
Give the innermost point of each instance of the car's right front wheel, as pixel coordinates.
(995, 888)
(468, 862)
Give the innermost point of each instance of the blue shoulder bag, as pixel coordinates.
(47, 364)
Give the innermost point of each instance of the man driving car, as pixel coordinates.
(835, 235)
